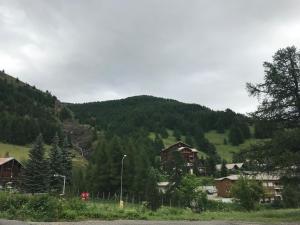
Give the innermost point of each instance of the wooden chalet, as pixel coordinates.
(10, 170)
(271, 184)
(188, 153)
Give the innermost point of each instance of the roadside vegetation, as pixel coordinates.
(50, 208)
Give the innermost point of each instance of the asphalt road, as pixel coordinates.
(134, 222)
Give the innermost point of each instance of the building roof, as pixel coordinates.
(192, 149)
(163, 184)
(230, 166)
(178, 143)
(261, 177)
(5, 160)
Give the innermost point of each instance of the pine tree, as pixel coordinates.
(158, 144)
(152, 193)
(98, 170)
(211, 166)
(177, 135)
(141, 172)
(56, 165)
(235, 135)
(224, 171)
(66, 160)
(189, 140)
(35, 178)
(115, 155)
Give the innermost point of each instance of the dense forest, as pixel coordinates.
(151, 114)
(25, 112)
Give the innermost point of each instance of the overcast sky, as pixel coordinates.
(193, 51)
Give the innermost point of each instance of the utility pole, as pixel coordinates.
(64, 185)
(121, 194)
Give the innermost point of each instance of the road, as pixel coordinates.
(134, 222)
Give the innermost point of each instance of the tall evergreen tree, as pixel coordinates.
(158, 144)
(224, 171)
(210, 164)
(279, 93)
(98, 169)
(152, 193)
(35, 178)
(66, 160)
(115, 154)
(55, 165)
(235, 135)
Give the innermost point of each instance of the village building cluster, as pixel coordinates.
(221, 189)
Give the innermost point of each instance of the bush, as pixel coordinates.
(75, 204)
(221, 206)
(291, 196)
(38, 207)
(247, 192)
(189, 195)
(44, 207)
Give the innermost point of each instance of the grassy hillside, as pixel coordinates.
(21, 153)
(225, 151)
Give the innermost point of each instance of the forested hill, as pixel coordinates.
(153, 114)
(25, 112)
(156, 115)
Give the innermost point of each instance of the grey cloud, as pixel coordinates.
(194, 51)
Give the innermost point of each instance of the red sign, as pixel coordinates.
(85, 196)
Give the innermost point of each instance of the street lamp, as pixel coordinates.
(121, 194)
(64, 186)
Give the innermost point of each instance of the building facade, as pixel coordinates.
(10, 170)
(189, 154)
(270, 183)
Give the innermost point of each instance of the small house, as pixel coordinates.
(10, 170)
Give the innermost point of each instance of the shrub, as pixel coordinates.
(291, 195)
(247, 192)
(44, 207)
(75, 204)
(189, 195)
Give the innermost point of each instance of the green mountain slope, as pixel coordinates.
(171, 120)
(25, 112)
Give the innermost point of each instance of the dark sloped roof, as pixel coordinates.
(180, 144)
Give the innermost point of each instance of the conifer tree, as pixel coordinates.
(55, 165)
(98, 170)
(152, 193)
(158, 144)
(224, 171)
(177, 135)
(141, 172)
(211, 166)
(235, 135)
(66, 160)
(114, 162)
(35, 178)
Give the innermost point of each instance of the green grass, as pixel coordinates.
(131, 211)
(18, 152)
(21, 153)
(226, 151)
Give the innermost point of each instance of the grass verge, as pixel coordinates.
(49, 208)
